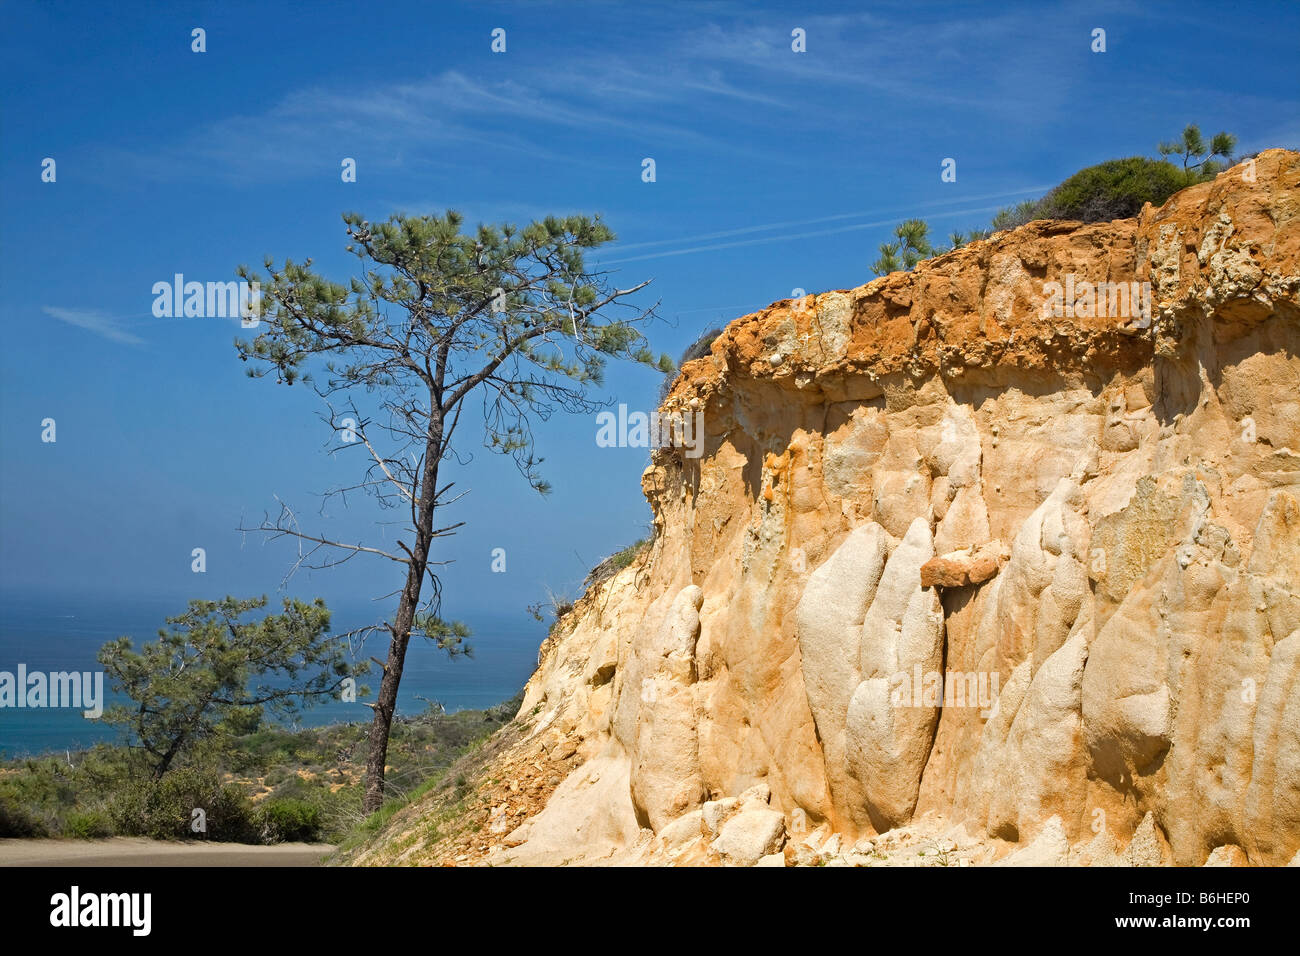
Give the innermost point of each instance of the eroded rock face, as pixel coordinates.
(948, 556)
(663, 745)
(888, 738)
(828, 624)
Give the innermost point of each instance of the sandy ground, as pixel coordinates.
(137, 851)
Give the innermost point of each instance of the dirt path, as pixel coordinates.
(134, 851)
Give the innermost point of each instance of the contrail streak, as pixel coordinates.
(784, 238)
(807, 222)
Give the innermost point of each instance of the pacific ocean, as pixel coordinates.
(53, 634)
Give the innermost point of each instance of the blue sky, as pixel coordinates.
(775, 170)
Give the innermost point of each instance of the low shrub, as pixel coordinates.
(697, 349)
(614, 563)
(165, 809)
(700, 347)
(290, 821)
(17, 822)
(1115, 189)
(87, 825)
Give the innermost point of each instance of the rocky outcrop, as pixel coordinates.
(963, 560)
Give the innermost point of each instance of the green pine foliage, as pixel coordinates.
(911, 244)
(213, 673)
(510, 322)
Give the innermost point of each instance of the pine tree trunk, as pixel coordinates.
(386, 704)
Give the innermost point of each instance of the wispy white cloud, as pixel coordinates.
(92, 320)
(671, 87)
(905, 60)
(435, 119)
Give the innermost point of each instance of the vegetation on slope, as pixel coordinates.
(269, 786)
(1114, 189)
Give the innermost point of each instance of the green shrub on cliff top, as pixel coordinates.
(1115, 189)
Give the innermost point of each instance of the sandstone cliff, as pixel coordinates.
(1012, 569)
